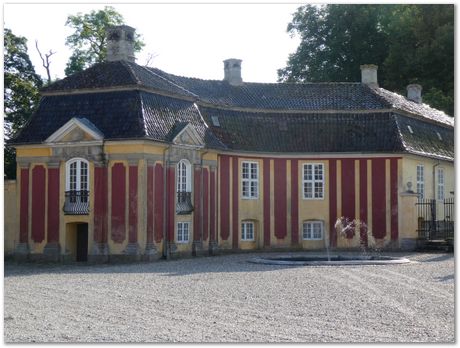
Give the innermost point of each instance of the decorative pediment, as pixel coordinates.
(188, 135)
(76, 130)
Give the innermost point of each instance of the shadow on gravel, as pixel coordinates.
(438, 258)
(181, 267)
(447, 278)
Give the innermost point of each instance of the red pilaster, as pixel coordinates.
(171, 212)
(348, 189)
(280, 198)
(235, 201)
(53, 205)
(159, 202)
(379, 223)
(363, 198)
(100, 204)
(150, 199)
(332, 201)
(118, 203)
(394, 198)
(38, 203)
(205, 203)
(295, 201)
(212, 208)
(132, 216)
(266, 203)
(224, 197)
(197, 204)
(24, 206)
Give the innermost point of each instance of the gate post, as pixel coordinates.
(408, 222)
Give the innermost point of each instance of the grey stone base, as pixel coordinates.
(151, 253)
(99, 254)
(171, 250)
(52, 252)
(21, 253)
(197, 248)
(408, 244)
(213, 248)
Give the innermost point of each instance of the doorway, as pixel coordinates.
(82, 243)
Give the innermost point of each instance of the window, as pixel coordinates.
(313, 181)
(420, 181)
(247, 230)
(184, 176)
(440, 184)
(250, 180)
(312, 230)
(77, 187)
(183, 230)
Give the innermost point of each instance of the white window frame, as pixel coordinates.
(441, 184)
(420, 176)
(184, 180)
(250, 179)
(80, 164)
(183, 232)
(308, 230)
(313, 181)
(247, 231)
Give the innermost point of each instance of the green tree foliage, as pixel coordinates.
(88, 40)
(21, 96)
(409, 43)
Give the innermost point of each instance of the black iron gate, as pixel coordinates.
(435, 219)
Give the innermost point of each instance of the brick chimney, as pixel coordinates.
(414, 93)
(369, 75)
(232, 71)
(120, 43)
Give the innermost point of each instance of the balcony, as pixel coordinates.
(76, 203)
(184, 203)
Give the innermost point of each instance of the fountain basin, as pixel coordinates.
(336, 260)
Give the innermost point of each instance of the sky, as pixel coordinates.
(185, 39)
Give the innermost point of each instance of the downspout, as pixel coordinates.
(434, 179)
(202, 198)
(165, 199)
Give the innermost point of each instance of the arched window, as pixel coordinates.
(77, 186)
(184, 176)
(184, 187)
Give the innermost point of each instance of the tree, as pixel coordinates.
(335, 41)
(45, 61)
(88, 41)
(409, 43)
(21, 96)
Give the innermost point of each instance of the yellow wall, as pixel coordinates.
(409, 173)
(33, 152)
(10, 210)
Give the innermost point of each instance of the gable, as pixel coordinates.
(76, 130)
(187, 135)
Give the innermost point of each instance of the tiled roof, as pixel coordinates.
(273, 132)
(262, 117)
(425, 139)
(118, 115)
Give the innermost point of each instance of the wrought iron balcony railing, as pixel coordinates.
(184, 203)
(76, 203)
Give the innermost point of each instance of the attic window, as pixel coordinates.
(215, 121)
(410, 129)
(439, 136)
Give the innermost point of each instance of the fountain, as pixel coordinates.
(346, 229)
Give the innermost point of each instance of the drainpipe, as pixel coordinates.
(165, 199)
(202, 197)
(434, 179)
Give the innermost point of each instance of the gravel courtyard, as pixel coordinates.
(227, 299)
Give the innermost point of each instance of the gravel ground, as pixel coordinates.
(227, 299)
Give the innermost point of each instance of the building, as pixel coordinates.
(123, 161)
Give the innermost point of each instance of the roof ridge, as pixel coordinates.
(131, 72)
(169, 81)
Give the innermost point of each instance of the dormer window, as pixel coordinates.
(77, 187)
